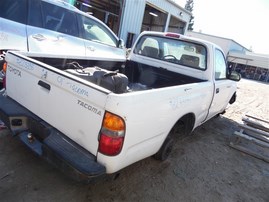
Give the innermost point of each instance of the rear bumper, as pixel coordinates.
(48, 143)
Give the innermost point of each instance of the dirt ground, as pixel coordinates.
(202, 168)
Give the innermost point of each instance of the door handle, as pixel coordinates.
(44, 85)
(187, 89)
(39, 37)
(59, 38)
(217, 90)
(91, 48)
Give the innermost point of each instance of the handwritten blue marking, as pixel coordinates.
(25, 64)
(60, 80)
(77, 89)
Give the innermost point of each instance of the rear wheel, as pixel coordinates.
(181, 129)
(165, 149)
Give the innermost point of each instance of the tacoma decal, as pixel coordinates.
(89, 107)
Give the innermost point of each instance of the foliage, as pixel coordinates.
(189, 7)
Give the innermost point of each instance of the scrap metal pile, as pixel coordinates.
(253, 137)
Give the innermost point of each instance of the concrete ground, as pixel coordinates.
(201, 168)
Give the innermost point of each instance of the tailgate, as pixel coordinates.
(73, 106)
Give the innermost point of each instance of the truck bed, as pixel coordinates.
(140, 76)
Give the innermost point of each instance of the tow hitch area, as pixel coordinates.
(65, 155)
(49, 143)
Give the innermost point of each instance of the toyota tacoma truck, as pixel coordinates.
(59, 108)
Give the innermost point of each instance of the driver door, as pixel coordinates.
(222, 87)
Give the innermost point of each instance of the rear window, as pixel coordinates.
(15, 10)
(172, 50)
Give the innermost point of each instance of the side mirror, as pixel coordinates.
(120, 43)
(235, 76)
(128, 51)
(89, 27)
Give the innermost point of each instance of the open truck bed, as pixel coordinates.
(140, 76)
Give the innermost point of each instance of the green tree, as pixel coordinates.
(189, 7)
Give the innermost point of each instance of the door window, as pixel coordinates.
(220, 65)
(35, 17)
(59, 19)
(15, 10)
(94, 31)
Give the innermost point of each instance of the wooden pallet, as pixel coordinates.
(253, 137)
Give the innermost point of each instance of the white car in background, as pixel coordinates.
(54, 27)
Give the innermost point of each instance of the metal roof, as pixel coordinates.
(249, 58)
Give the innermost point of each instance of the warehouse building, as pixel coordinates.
(250, 65)
(128, 18)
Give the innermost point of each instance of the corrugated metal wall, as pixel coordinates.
(169, 7)
(132, 17)
(133, 13)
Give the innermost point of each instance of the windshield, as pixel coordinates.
(172, 50)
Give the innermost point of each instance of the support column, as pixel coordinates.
(167, 22)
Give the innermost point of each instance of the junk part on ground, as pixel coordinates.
(253, 137)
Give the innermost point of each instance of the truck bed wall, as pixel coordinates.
(62, 64)
(154, 77)
(137, 73)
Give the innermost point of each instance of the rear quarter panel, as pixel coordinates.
(150, 115)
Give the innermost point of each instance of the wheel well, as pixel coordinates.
(184, 125)
(233, 99)
(182, 128)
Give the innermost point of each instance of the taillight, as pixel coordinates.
(4, 67)
(111, 135)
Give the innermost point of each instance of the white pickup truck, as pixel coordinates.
(175, 83)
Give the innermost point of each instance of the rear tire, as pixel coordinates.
(165, 150)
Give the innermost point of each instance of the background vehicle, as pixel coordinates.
(175, 83)
(53, 27)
